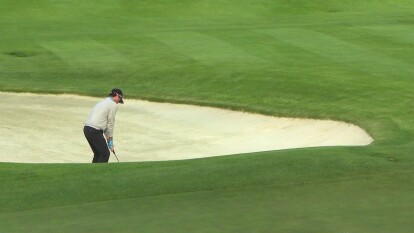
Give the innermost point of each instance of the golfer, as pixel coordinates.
(100, 122)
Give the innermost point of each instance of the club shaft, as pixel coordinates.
(115, 156)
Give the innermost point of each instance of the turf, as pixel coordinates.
(343, 60)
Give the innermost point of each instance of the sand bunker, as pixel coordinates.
(49, 129)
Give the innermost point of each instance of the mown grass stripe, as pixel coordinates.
(341, 51)
(204, 48)
(87, 53)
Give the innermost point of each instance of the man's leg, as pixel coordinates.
(103, 151)
(98, 145)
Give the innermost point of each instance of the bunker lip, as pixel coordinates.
(48, 129)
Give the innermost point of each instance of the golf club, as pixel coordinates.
(115, 155)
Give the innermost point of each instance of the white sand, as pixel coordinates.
(49, 129)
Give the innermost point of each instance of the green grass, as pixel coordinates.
(343, 60)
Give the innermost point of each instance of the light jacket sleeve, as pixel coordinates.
(109, 132)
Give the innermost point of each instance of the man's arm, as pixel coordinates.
(110, 125)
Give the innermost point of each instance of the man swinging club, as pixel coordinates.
(100, 122)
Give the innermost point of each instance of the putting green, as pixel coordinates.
(48, 129)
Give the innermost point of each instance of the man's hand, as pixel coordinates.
(111, 145)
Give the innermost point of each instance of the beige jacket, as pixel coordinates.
(102, 116)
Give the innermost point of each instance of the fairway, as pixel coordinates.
(334, 60)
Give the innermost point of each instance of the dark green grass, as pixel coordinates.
(268, 208)
(343, 60)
